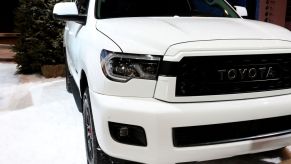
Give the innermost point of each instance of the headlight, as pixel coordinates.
(123, 67)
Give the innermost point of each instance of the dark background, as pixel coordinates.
(7, 8)
(273, 11)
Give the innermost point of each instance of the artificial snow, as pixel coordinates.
(40, 123)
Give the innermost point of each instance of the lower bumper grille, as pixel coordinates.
(231, 132)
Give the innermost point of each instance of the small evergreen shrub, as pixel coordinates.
(40, 42)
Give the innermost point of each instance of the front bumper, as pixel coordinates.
(158, 118)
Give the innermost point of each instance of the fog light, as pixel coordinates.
(128, 134)
(123, 131)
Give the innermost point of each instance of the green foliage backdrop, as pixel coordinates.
(41, 36)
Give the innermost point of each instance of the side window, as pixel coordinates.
(82, 6)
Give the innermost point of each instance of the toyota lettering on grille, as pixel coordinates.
(247, 74)
(219, 75)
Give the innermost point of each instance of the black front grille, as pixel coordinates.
(231, 132)
(216, 75)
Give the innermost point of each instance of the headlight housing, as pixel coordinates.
(123, 67)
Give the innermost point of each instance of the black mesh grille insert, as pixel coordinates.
(216, 75)
(231, 132)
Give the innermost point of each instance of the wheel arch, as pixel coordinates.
(78, 92)
(83, 83)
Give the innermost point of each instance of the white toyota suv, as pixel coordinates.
(176, 81)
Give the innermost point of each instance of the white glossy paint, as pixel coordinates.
(158, 118)
(137, 101)
(242, 11)
(155, 35)
(65, 8)
(221, 47)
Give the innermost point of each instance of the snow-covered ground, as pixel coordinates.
(40, 124)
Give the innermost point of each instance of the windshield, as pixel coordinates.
(163, 8)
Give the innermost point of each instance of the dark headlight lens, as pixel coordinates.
(123, 67)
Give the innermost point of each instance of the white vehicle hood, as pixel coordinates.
(154, 35)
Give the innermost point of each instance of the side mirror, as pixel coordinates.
(68, 11)
(241, 11)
